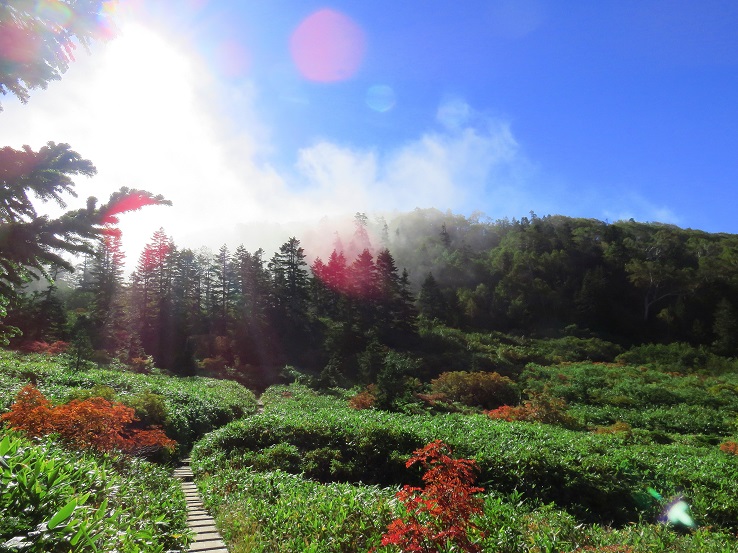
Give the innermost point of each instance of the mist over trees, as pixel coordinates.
(37, 42)
(239, 314)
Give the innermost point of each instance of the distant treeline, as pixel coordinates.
(243, 314)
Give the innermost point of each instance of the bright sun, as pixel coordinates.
(144, 89)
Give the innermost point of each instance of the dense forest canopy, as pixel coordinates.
(626, 283)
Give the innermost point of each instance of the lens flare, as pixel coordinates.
(18, 45)
(327, 46)
(676, 512)
(131, 202)
(381, 98)
(53, 10)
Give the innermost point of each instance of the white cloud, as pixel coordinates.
(147, 114)
(449, 169)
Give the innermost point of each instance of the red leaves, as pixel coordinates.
(439, 514)
(93, 423)
(39, 346)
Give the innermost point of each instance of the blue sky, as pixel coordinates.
(607, 109)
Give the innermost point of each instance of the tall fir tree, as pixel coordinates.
(107, 288)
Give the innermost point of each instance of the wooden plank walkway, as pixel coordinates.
(207, 538)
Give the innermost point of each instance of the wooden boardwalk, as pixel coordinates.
(207, 538)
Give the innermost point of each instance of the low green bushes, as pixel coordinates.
(678, 357)
(547, 489)
(644, 397)
(596, 477)
(56, 500)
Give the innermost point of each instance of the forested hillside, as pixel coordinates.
(377, 299)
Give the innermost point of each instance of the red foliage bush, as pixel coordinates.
(540, 407)
(729, 447)
(508, 413)
(39, 346)
(439, 514)
(93, 423)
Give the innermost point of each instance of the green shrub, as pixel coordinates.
(151, 408)
(679, 357)
(596, 478)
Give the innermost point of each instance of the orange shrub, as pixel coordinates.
(39, 346)
(508, 413)
(93, 423)
(729, 447)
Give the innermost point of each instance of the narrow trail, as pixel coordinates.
(207, 537)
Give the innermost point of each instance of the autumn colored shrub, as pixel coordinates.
(365, 399)
(539, 407)
(729, 446)
(213, 365)
(484, 389)
(438, 515)
(93, 423)
(142, 364)
(39, 346)
(508, 413)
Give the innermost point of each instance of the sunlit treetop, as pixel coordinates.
(38, 39)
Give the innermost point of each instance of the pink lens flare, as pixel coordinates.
(328, 46)
(126, 204)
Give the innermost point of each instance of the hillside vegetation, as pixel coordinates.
(313, 474)
(597, 289)
(62, 494)
(586, 370)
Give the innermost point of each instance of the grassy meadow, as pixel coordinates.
(318, 471)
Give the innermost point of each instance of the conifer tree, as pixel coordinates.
(290, 280)
(151, 298)
(431, 303)
(30, 243)
(107, 289)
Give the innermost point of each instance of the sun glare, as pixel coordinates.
(144, 86)
(145, 100)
